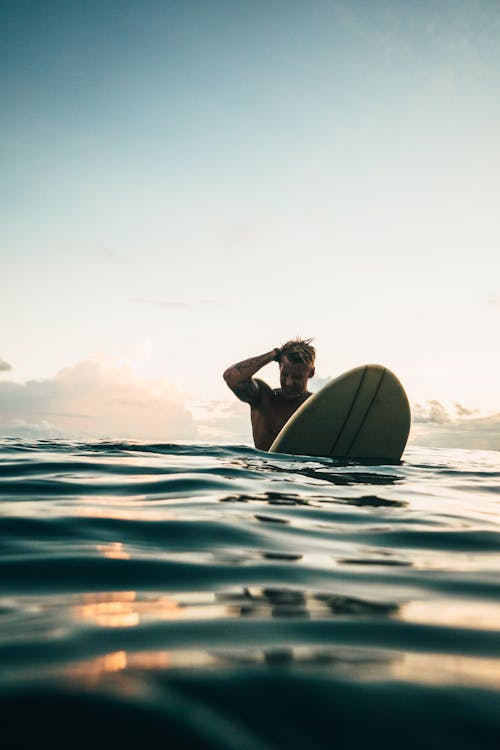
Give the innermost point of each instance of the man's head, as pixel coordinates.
(296, 360)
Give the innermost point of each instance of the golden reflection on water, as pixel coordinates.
(125, 609)
(446, 669)
(113, 550)
(114, 662)
(103, 668)
(131, 608)
(358, 664)
(93, 670)
(111, 610)
(463, 614)
(170, 659)
(109, 507)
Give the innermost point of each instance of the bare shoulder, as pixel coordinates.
(265, 391)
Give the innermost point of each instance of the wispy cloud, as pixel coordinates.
(182, 304)
(96, 249)
(463, 411)
(239, 236)
(4, 366)
(112, 256)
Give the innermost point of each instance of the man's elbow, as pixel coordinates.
(228, 376)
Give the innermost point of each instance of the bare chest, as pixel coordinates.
(269, 417)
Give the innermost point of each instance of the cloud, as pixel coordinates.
(238, 237)
(112, 256)
(463, 411)
(4, 366)
(95, 398)
(177, 303)
(35, 430)
(481, 433)
(434, 426)
(432, 412)
(223, 421)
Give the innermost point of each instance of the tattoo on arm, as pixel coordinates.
(247, 364)
(241, 373)
(247, 391)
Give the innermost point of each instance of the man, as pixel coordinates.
(271, 408)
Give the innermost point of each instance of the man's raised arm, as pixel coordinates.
(239, 376)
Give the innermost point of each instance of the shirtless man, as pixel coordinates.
(271, 408)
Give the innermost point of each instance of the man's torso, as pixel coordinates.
(270, 412)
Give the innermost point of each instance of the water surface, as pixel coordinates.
(218, 596)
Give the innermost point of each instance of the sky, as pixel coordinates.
(185, 184)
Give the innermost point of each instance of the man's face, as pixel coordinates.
(294, 377)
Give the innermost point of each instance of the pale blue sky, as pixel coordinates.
(203, 180)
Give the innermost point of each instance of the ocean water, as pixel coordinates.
(200, 596)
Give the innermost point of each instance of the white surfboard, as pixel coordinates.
(362, 414)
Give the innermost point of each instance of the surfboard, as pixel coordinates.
(362, 414)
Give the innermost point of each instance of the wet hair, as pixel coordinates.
(298, 351)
